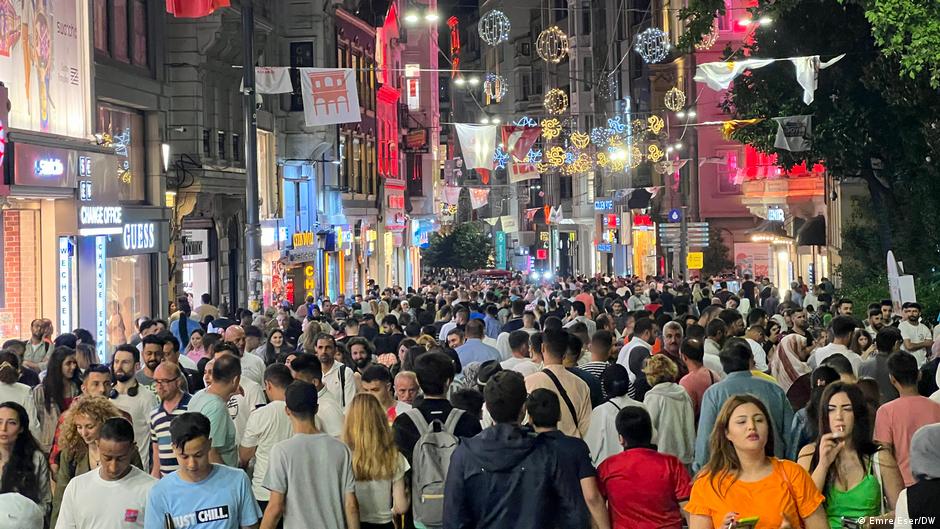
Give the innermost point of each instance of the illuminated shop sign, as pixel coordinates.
(775, 214)
(49, 167)
(100, 220)
(101, 290)
(35, 165)
(603, 205)
(303, 238)
(140, 236)
(65, 283)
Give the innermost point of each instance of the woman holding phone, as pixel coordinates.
(859, 478)
(743, 485)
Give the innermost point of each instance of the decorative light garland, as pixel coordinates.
(709, 39)
(533, 156)
(494, 27)
(674, 99)
(654, 153)
(552, 45)
(655, 124)
(580, 140)
(599, 136)
(634, 157)
(608, 85)
(652, 45)
(500, 157)
(551, 128)
(556, 101)
(495, 87)
(526, 121)
(556, 156)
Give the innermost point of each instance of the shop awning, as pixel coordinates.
(812, 232)
(769, 231)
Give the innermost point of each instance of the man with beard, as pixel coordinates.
(361, 352)
(799, 323)
(174, 402)
(337, 378)
(130, 396)
(875, 320)
(151, 351)
(918, 338)
(37, 348)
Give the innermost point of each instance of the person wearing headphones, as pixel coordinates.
(129, 396)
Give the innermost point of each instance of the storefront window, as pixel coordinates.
(19, 276)
(125, 132)
(127, 296)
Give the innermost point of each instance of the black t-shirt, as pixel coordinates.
(573, 454)
(747, 288)
(28, 377)
(406, 433)
(387, 343)
(368, 332)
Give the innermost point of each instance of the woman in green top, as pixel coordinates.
(859, 477)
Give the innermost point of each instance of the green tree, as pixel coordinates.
(465, 247)
(869, 120)
(910, 30)
(717, 257)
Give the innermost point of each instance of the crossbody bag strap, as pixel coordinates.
(342, 384)
(564, 394)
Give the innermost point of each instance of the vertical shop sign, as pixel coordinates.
(65, 284)
(101, 289)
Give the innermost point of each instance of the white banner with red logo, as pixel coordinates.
(330, 96)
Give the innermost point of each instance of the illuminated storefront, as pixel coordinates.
(643, 236)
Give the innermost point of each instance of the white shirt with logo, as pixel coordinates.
(93, 503)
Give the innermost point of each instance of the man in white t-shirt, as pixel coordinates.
(131, 397)
(330, 418)
(114, 496)
(842, 329)
(252, 365)
(520, 360)
(918, 339)
(249, 396)
(267, 426)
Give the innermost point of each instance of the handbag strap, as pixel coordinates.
(564, 395)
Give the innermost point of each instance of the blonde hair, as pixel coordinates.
(660, 368)
(96, 408)
(426, 341)
(367, 434)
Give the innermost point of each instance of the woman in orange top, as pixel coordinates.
(743, 481)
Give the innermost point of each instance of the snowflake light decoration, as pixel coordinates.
(569, 157)
(674, 99)
(615, 125)
(652, 45)
(552, 45)
(599, 136)
(533, 156)
(556, 101)
(494, 27)
(495, 87)
(551, 128)
(526, 121)
(500, 157)
(634, 157)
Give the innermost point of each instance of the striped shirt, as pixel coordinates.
(160, 433)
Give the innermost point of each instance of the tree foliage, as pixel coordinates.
(909, 29)
(465, 247)
(869, 121)
(717, 256)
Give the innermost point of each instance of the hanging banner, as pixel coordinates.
(451, 194)
(330, 96)
(194, 8)
(518, 140)
(478, 197)
(491, 220)
(499, 243)
(509, 224)
(556, 215)
(520, 172)
(719, 75)
(478, 143)
(794, 133)
(273, 80)
(530, 214)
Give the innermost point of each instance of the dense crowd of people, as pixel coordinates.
(481, 404)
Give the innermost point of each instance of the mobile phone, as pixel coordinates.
(850, 523)
(747, 523)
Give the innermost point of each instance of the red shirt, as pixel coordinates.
(643, 489)
(695, 383)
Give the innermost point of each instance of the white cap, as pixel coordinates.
(19, 512)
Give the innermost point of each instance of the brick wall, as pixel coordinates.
(20, 273)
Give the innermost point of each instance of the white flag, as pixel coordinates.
(794, 133)
(330, 96)
(478, 143)
(273, 80)
(718, 75)
(509, 223)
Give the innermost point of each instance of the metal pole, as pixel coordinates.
(252, 202)
(684, 243)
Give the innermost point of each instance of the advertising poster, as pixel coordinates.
(752, 258)
(44, 64)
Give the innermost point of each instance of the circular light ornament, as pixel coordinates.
(495, 88)
(674, 99)
(652, 45)
(552, 45)
(556, 101)
(494, 27)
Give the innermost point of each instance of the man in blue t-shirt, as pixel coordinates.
(200, 494)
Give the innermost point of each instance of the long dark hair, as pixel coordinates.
(54, 384)
(20, 473)
(862, 440)
(822, 377)
(270, 355)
